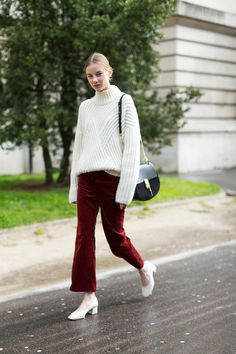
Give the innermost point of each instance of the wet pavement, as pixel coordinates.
(192, 310)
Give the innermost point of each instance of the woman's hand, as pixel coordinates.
(122, 206)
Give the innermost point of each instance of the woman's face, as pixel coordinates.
(98, 77)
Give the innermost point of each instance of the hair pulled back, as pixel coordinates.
(97, 58)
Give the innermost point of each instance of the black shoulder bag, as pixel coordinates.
(148, 184)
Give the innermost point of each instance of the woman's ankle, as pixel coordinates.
(89, 295)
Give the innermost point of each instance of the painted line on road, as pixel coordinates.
(105, 274)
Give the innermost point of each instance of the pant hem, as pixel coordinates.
(82, 290)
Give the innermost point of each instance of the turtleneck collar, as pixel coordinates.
(107, 96)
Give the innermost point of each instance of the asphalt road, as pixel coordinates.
(192, 311)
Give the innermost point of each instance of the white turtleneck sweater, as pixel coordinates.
(98, 147)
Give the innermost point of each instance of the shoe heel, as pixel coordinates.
(93, 311)
(154, 268)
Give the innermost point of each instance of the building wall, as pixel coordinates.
(13, 162)
(199, 49)
(226, 5)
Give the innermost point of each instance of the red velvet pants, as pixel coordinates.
(98, 189)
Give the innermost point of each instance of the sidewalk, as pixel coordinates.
(41, 254)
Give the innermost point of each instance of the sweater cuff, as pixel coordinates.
(73, 195)
(125, 196)
(123, 201)
(73, 189)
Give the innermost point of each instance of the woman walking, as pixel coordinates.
(103, 175)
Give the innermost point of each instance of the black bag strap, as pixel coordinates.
(145, 158)
(120, 113)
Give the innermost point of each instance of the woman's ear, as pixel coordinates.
(110, 72)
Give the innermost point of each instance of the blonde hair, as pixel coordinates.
(97, 58)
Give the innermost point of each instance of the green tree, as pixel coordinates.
(45, 46)
(29, 78)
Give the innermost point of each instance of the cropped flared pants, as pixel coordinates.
(98, 189)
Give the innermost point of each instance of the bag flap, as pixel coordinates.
(146, 171)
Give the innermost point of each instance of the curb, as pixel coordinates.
(116, 271)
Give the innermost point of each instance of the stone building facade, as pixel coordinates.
(199, 49)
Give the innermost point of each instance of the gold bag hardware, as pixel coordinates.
(147, 184)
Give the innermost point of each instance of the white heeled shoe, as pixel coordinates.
(79, 314)
(147, 289)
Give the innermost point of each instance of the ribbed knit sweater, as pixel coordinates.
(97, 144)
